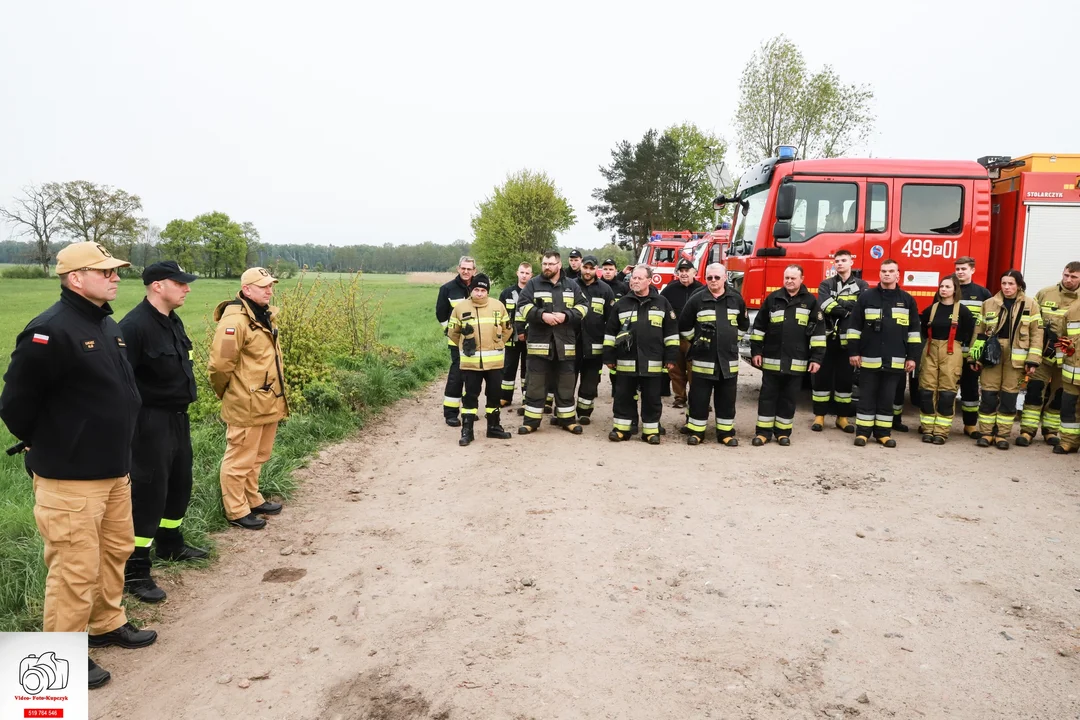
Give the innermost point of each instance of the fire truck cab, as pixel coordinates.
(663, 252)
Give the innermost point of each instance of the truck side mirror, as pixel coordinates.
(785, 201)
(781, 230)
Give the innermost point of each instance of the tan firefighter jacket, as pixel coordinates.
(480, 331)
(1026, 333)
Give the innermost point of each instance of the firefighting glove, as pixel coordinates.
(705, 336)
(976, 350)
(625, 339)
(1065, 346)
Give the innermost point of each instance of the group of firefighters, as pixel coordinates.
(560, 329)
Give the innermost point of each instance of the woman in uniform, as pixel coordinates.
(947, 328)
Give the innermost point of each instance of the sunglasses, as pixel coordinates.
(714, 277)
(105, 273)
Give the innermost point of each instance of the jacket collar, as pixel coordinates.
(84, 307)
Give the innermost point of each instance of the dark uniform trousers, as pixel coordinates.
(721, 393)
(625, 406)
(474, 381)
(544, 372)
(877, 397)
(589, 369)
(160, 478)
(776, 404)
(513, 363)
(831, 384)
(969, 395)
(454, 386)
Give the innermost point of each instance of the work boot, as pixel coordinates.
(759, 440)
(927, 438)
(1064, 449)
(693, 440)
(1023, 439)
(251, 521)
(521, 411)
(983, 441)
(466, 432)
(584, 420)
(652, 439)
(1002, 444)
(618, 436)
(819, 423)
(548, 409)
(887, 442)
(730, 441)
(634, 428)
(495, 429)
(267, 508)
(939, 439)
(181, 554)
(898, 425)
(845, 424)
(526, 429)
(504, 403)
(860, 441)
(137, 580)
(97, 676)
(972, 432)
(1051, 439)
(454, 421)
(572, 427)
(125, 636)
(783, 441)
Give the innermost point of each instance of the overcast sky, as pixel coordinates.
(337, 122)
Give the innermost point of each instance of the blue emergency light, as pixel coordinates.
(786, 152)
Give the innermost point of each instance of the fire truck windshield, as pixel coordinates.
(746, 231)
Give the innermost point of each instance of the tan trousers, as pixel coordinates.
(999, 387)
(246, 449)
(939, 380)
(88, 534)
(681, 374)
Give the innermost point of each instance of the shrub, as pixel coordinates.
(321, 395)
(24, 272)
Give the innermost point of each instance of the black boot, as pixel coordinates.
(495, 428)
(137, 580)
(466, 430)
(170, 545)
(97, 676)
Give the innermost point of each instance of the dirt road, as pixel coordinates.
(554, 576)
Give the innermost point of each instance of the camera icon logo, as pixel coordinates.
(38, 673)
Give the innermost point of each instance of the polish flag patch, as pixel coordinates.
(40, 339)
(228, 331)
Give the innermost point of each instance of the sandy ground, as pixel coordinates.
(554, 576)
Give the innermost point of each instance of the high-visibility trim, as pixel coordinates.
(170, 524)
(687, 335)
(524, 310)
(757, 336)
(670, 340)
(869, 363)
(143, 542)
(696, 425)
(897, 409)
(927, 420)
(842, 397)
(820, 395)
(609, 341)
(1072, 328)
(454, 301)
(1030, 417)
(914, 337)
(451, 343)
(546, 294)
(853, 334)
(733, 366)
(508, 385)
(597, 304)
(817, 341)
(655, 366)
(650, 428)
(535, 413)
(766, 422)
(883, 421)
(1070, 374)
(864, 420)
(451, 402)
(703, 366)
(626, 365)
(770, 364)
(784, 423)
(969, 405)
(468, 411)
(549, 398)
(585, 403)
(1005, 420)
(489, 411)
(626, 314)
(987, 419)
(725, 424)
(538, 348)
(570, 351)
(583, 310)
(622, 424)
(776, 316)
(597, 348)
(872, 313)
(733, 316)
(1051, 420)
(799, 365)
(828, 304)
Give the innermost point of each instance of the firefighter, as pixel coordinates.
(832, 382)
(642, 339)
(515, 347)
(1066, 349)
(574, 271)
(710, 324)
(947, 326)
(787, 341)
(450, 294)
(247, 376)
(549, 312)
(70, 396)
(1014, 319)
(1042, 400)
(677, 294)
(972, 296)
(480, 328)
(883, 342)
(591, 344)
(610, 276)
(160, 355)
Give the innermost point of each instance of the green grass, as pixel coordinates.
(406, 321)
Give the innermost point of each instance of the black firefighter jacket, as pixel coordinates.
(837, 299)
(789, 332)
(642, 335)
(712, 326)
(540, 295)
(600, 298)
(884, 329)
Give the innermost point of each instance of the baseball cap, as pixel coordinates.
(589, 260)
(166, 270)
(92, 255)
(481, 281)
(609, 261)
(684, 264)
(257, 276)
(575, 253)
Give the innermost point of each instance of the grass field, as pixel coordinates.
(405, 321)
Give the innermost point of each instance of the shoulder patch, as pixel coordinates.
(230, 331)
(40, 339)
(120, 342)
(672, 313)
(90, 345)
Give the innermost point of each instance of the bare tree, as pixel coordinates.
(36, 215)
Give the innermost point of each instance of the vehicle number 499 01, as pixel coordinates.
(927, 248)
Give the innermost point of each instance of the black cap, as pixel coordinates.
(589, 260)
(609, 261)
(166, 270)
(481, 281)
(575, 253)
(684, 264)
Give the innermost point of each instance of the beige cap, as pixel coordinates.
(257, 276)
(86, 255)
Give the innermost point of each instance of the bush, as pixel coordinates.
(321, 395)
(24, 272)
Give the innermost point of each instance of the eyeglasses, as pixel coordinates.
(714, 277)
(108, 273)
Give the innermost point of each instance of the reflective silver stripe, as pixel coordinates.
(623, 316)
(707, 315)
(598, 347)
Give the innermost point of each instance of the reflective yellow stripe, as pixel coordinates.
(170, 524)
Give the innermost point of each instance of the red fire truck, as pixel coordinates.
(663, 252)
(1005, 213)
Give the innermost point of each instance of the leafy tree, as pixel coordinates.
(96, 213)
(36, 215)
(782, 102)
(181, 242)
(662, 182)
(518, 222)
(224, 245)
